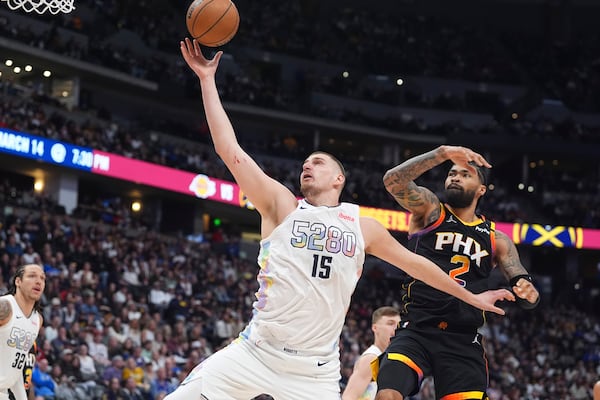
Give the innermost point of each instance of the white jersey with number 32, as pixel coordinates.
(309, 267)
(16, 338)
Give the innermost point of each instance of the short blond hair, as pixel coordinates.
(385, 311)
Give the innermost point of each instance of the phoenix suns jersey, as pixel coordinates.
(309, 268)
(465, 252)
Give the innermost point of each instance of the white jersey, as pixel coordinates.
(371, 390)
(16, 338)
(309, 268)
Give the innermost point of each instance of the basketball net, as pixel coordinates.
(41, 6)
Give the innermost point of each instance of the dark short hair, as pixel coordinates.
(482, 172)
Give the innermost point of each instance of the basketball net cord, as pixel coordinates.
(41, 6)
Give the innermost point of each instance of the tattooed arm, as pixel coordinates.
(5, 311)
(420, 201)
(509, 263)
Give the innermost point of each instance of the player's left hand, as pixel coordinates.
(192, 54)
(525, 290)
(489, 298)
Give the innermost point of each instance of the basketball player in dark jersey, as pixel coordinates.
(438, 334)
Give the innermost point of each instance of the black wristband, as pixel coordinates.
(523, 303)
(513, 281)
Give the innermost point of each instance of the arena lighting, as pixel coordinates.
(17, 70)
(47, 74)
(136, 206)
(530, 189)
(38, 185)
(346, 74)
(521, 186)
(28, 68)
(8, 62)
(399, 82)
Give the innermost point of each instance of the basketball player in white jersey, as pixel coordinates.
(311, 257)
(20, 323)
(361, 386)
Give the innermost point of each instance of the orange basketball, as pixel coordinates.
(212, 22)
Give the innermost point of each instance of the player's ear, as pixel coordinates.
(482, 190)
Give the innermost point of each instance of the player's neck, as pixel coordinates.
(323, 199)
(25, 305)
(466, 214)
(380, 343)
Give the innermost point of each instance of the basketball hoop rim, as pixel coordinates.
(41, 6)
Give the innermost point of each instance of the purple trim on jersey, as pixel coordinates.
(433, 226)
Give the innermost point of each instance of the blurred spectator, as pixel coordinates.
(114, 391)
(51, 330)
(113, 371)
(162, 385)
(87, 365)
(98, 351)
(42, 381)
(133, 370)
(133, 390)
(68, 389)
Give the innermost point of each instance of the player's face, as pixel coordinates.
(32, 283)
(386, 327)
(462, 186)
(319, 173)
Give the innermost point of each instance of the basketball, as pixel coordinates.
(212, 22)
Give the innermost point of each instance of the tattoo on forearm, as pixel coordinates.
(510, 262)
(410, 195)
(411, 169)
(5, 309)
(399, 181)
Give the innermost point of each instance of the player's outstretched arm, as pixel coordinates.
(380, 243)
(266, 194)
(360, 378)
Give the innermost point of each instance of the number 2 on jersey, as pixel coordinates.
(465, 264)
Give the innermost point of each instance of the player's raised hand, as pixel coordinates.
(464, 156)
(192, 54)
